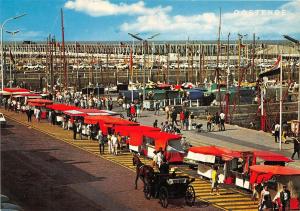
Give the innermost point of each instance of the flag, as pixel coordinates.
(11, 57)
(275, 70)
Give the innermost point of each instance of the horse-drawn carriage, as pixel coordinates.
(170, 186)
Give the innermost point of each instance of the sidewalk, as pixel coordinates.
(234, 137)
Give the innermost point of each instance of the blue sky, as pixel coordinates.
(102, 20)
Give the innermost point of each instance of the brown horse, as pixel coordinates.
(144, 172)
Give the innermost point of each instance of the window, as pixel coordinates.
(148, 141)
(175, 145)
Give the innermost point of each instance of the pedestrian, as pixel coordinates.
(154, 160)
(132, 111)
(164, 167)
(53, 118)
(155, 123)
(74, 127)
(186, 119)
(255, 194)
(214, 180)
(157, 107)
(209, 121)
(181, 116)
(38, 115)
(79, 128)
(138, 110)
(264, 193)
(174, 117)
(267, 204)
(167, 110)
(160, 157)
(217, 120)
(284, 196)
(101, 142)
(222, 121)
(114, 141)
(109, 144)
(276, 132)
(296, 148)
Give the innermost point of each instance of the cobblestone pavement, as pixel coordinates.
(230, 198)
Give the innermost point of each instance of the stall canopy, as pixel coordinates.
(39, 102)
(28, 95)
(87, 112)
(134, 131)
(263, 173)
(106, 122)
(61, 107)
(271, 156)
(225, 153)
(13, 91)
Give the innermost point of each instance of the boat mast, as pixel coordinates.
(63, 49)
(218, 54)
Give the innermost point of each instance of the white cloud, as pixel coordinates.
(98, 8)
(267, 24)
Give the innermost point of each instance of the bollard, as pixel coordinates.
(181, 101)
(169, 101)
(190, 103)
(197, 103)
(174, 101)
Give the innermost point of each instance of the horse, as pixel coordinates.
(144, 172)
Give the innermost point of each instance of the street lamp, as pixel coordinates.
(2, 51)
(12, 33)
(144, 43)
(296, 42)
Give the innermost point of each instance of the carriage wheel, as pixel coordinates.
(163, 197)
(147, 191)
(190, 196)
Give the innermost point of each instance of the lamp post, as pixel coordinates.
(2, 50)
(12, 33)
(144, 41)
(297, 43)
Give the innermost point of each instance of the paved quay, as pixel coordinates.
(234, 137)
(230, 198)
(40, 172)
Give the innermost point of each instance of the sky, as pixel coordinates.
(112, 20)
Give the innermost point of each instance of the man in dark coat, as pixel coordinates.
(296, 148)
(74, 128)
(285, 196)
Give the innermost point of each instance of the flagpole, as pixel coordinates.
(280, 105)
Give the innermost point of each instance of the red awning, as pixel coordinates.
(138, 129)
(15, 90)
(29, 95)
(39, 102)
(263, 173)
(216, 151)
(108, 120)
(74, 113)
(61, 107)
(271, 156)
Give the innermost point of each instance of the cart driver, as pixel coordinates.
(164, 167)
